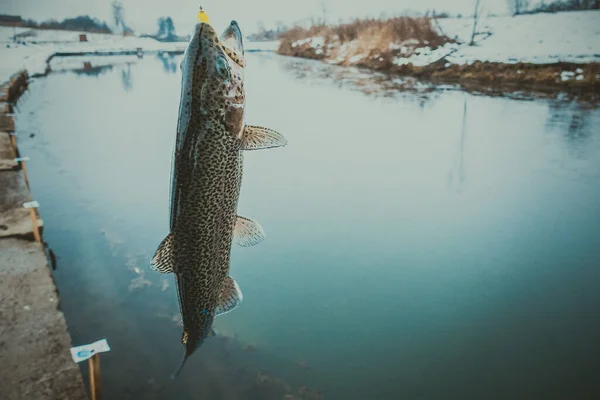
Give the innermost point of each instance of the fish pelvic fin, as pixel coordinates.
(163, 258)
(230, 297)
(247, 232)
(190, 347)
(257, 138)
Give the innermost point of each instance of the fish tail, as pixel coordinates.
(183, 360)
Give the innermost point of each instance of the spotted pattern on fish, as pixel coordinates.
(205, 183)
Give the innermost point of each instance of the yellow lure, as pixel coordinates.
(202, 16)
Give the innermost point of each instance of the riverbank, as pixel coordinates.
(32, 50)
(541, 52)
(35, 362)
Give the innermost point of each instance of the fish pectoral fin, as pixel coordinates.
(257, 137)
(247, 232)
(163, 260)
(231, 296)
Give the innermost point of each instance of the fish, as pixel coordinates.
(206, 177)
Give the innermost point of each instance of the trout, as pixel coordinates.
(206, 176)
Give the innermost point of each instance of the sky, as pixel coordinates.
(142, 15)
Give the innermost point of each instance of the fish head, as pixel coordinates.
(218, 75)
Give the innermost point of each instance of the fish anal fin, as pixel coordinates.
(163, 259)
(257, 137)
(231, 296)
(247, 232)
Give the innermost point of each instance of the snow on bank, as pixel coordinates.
(539, 38)
(33, 47)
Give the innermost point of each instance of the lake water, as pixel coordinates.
(420, 245)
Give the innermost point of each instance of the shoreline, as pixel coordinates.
(547, 53)
(35, 361)
(488, 77)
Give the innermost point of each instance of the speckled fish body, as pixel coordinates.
(206, 178)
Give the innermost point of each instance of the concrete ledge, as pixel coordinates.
(8, 164)
(7, 153)
(35, 359)
(7, 123)
(35, 362)
(14, 190)
(17, 222)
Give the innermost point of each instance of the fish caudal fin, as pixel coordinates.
(247, 232)
(257, 138)
(163, 260)
(230, 297)
(183, 360)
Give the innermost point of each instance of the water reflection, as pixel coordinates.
(456, 176)
(90, 70)
(368, 82)
(89, 65)
(126, 78)
(572, 117)
(408, 233)
(169, 62)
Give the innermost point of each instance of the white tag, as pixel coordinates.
(18, 159)
(31, 204)
(82, 353)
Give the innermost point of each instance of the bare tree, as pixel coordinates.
(324, 11)
(518, 6)
(119, 14)
(476, 15)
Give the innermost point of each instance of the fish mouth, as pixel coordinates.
(233, 44)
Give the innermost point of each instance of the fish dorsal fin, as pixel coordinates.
(257, 137)
(247, 232)
(231, 296)
(163, 259)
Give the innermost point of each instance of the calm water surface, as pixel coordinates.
(421, 245)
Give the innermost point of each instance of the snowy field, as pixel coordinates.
(537, 38)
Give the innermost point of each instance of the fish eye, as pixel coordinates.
(222, 67)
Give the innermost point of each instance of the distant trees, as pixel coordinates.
(118, 12)
(166, 29)
(552, 6)
(264, 34)
(518, 7)
(83, 23)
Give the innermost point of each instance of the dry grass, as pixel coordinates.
(520, 75)
(366, 37)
